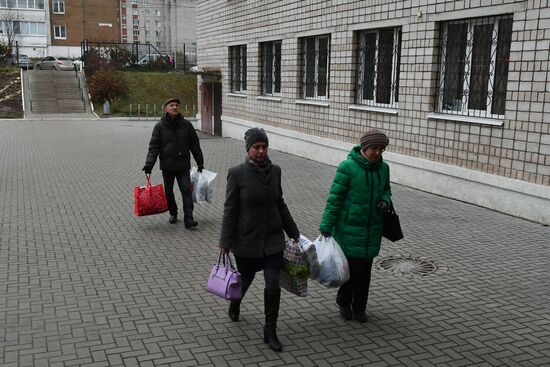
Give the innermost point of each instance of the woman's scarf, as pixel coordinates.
(263, 166)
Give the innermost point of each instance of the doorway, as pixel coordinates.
(211, 108)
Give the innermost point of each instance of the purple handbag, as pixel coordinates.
(224, 280)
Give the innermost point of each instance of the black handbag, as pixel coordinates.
(392, 228)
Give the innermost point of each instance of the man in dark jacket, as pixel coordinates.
(173, 139)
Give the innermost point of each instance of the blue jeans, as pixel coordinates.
(184, 183)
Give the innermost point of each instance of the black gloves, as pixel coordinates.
(326, 234)
(382, 207)
(200, 169)
(147, 169)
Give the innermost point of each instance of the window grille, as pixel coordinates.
(315, 67)
(237, 57)
(378, 61)
(475, 56)
(271, 68)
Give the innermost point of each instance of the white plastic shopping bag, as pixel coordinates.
(202, 185)
(334, 268)
(311, 257)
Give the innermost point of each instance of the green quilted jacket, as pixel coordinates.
(350, 213)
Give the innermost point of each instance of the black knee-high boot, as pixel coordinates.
(272, 299)
(235, 306)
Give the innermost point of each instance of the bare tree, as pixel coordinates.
(9, 23)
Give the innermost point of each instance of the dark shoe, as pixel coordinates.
(173, 219)
(346, 312)
(234, 310)
(190, 223)
(270, 338)
(360, 316)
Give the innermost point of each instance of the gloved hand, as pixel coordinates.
(382, 207)
(147, 169)
(200, 169)
(326, 234)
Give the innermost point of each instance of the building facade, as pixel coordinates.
(24, 23)
(460, 88)
(73, 21)
(165, 24)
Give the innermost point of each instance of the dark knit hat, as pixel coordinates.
(170, 100)
(254, 135)
(374, 137)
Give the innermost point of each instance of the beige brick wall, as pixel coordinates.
(519, 149)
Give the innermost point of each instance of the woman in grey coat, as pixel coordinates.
(255, 216)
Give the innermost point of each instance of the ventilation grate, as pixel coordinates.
(407, 265)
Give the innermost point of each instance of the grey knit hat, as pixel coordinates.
(374, 137)
(254, 135)
(170, 100)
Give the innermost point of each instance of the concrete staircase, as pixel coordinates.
(52, 91)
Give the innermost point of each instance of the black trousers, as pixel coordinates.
(355, 292)
(184, 183)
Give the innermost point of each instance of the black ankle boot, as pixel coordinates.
(272, 299)
(234, 310)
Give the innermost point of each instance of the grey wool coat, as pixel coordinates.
(255, 213)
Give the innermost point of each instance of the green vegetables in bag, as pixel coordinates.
(296, 271)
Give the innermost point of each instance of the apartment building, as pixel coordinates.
(73, 21)
(460, 88)
(165, 24)
(24, 22)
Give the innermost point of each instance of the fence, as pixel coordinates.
(145, 110)
(138, 55)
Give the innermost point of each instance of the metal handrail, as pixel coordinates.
(80, 88)
(29, 90)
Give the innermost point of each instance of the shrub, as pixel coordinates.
(107, 84)
(5, 51)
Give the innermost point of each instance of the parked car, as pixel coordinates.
(151, 58)
(22, 61)
(55, 63)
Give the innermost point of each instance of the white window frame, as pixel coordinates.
(271, 61)
(58, 6)
(461, 106)
(361, 76)
(305, 71)
(60, 32)
(238, 68)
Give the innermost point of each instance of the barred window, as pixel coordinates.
(378, 61)
(315, 67)
(271, 67)
(475, 55)
(237, 59)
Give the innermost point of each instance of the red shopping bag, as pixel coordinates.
(149, 199)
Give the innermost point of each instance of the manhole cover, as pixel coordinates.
(407, 265)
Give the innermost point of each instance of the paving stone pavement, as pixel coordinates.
(83, 282)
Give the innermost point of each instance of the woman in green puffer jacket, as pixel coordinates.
(358, 198)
